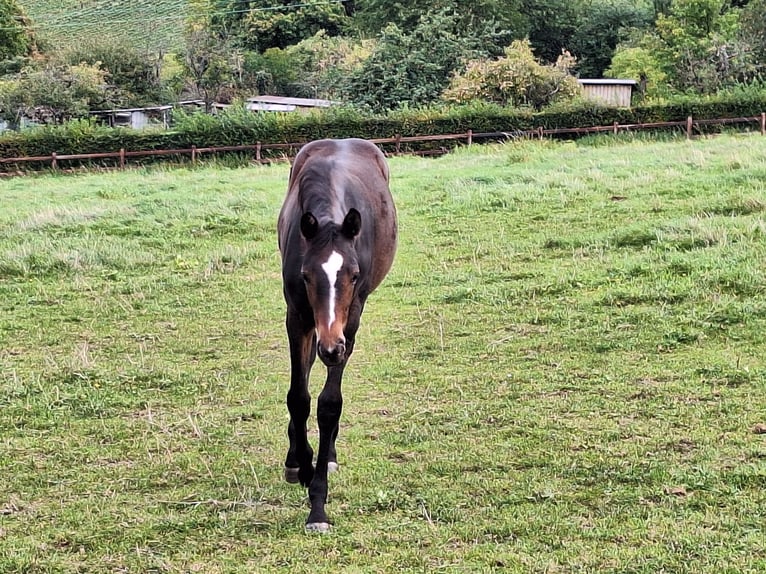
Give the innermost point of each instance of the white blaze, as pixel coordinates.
(331, 267)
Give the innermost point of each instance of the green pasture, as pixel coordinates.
(565, 371)
(151, 25)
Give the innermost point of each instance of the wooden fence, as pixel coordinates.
(393, 145)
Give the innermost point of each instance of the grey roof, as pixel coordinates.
(299, 102)
(607, 82)
(131, 110)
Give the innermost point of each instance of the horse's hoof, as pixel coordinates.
(332, 467)
(291, 474)
(321, 527)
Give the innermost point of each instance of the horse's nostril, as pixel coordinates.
(333, 355)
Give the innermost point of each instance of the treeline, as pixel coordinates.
(383, 56)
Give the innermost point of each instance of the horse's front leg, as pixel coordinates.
(329, 408)
(298, 464)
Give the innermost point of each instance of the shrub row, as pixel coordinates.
(237, 126)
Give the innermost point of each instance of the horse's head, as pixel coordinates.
(330, 272)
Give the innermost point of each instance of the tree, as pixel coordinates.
(54, 94)
(132, 74)
(262, 24)
(410, 68)
(291, 23)
(372, 16)
(551, 25)
(15, 40)
(696, 47)
(599, 31)
(698, 40)
(753, 32)
(641, 63)
(316, 67)
(206, 64)
(516, 79)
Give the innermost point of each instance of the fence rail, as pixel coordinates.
(469, 138)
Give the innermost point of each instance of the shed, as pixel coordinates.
(612, 92)
(136, 118)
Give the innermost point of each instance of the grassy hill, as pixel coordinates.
(154, 25)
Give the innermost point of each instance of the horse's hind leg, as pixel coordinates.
(298, 464)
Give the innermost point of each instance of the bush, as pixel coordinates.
(516, 79)
(132, 74)
(237, 126)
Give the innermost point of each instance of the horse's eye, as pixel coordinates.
(355, 277)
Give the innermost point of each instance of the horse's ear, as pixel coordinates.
(352, 224)
(309, 226)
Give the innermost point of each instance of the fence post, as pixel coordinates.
(470, 137)
(763, 123)
(122, 158)
(540, 132)
(615, 127)
(689, 123)
(398, 143)
(54, 162)
(258, 151)
(194, 154)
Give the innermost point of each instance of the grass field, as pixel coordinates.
(564, 372)
(151, 25)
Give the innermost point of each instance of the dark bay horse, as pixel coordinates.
(337, 237)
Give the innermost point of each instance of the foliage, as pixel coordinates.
(516, 79)
(234, 125)
(410, 69)
(315, 68)
(15, 40)
(643, 65)
(471, 16)
(327, 62)
(233, 48)
(699, 38)
(207, 64)
(288, 26)
(54, 94)
(132, 74)
(695, 47)
(259, 25)
(753, 33)
(237, 126)
(551, 25)
(600, 29)
(274, 71)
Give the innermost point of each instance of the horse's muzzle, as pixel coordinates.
(333, 356)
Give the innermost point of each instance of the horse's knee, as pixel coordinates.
(329, 409)
(299, 404)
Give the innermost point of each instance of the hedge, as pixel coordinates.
(238, 126)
